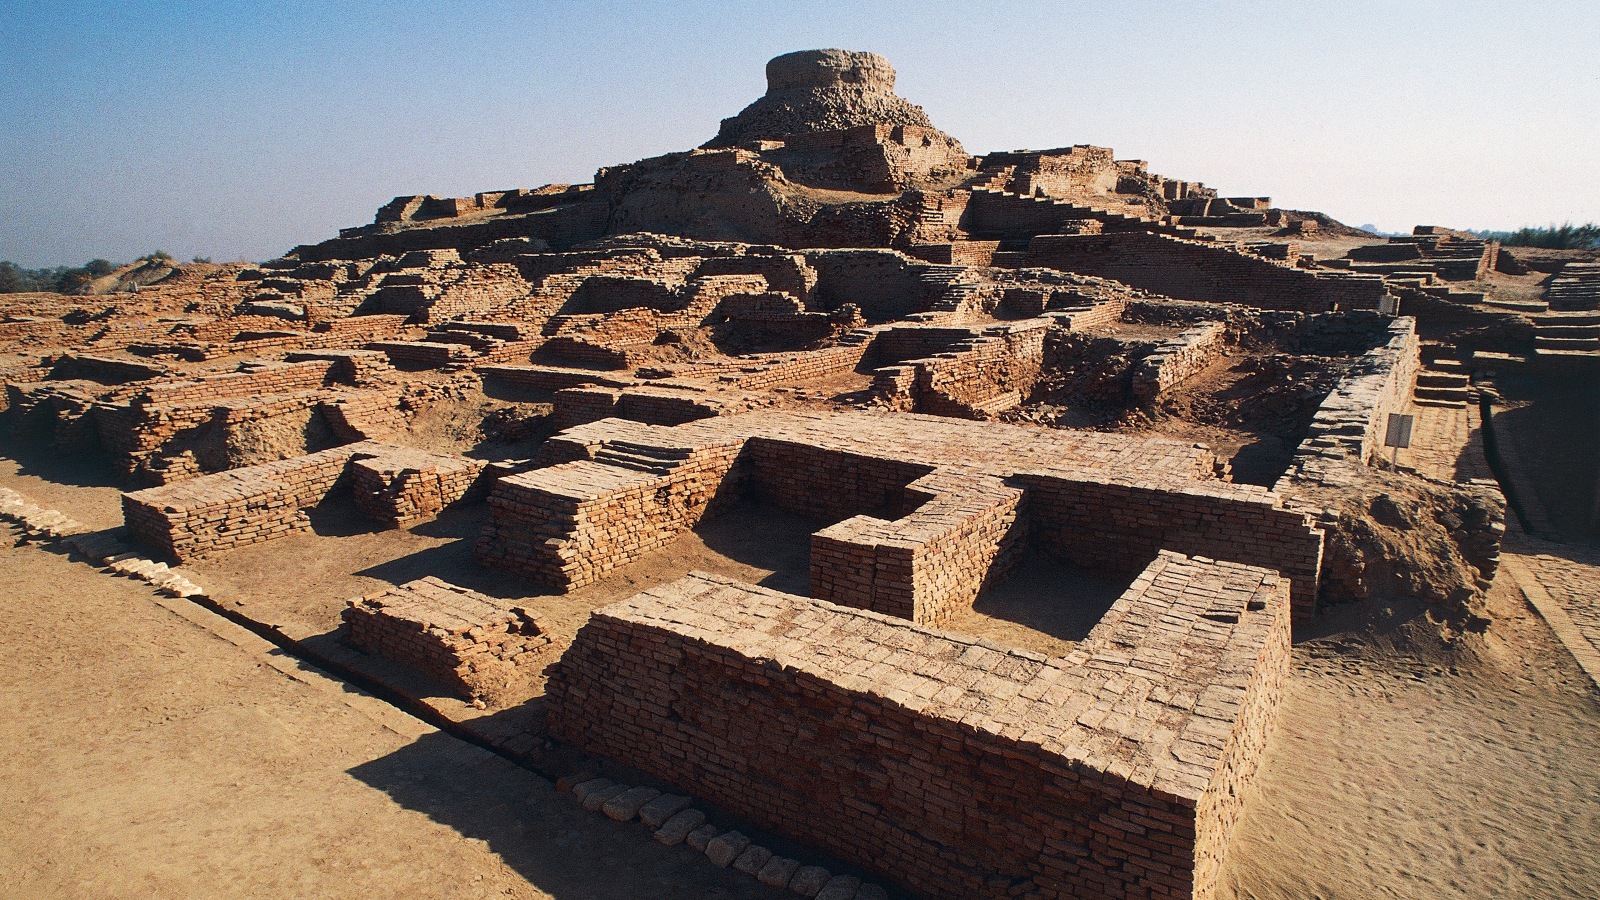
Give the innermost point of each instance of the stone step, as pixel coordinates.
(1540, 342)
(1527, 306)
(1567, 318)
(1442, 403)
(1569, 331)
(1442, 380)
(1461, 394)
(648, 464)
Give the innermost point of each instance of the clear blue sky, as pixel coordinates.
(236, 130)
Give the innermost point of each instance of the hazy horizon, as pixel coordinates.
(237, 131)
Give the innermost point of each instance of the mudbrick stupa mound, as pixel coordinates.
(821, 90)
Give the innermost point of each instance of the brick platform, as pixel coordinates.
(404, 485)
(457, 636)
(211, 514)
(952, 766)
(615, 490)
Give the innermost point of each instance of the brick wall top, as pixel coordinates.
(249, 481)
(989, 448)
(430, 603)
(1150, 696)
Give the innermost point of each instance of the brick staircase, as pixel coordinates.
(1443, 381)
(640, 457)
(1063, 210)
(1576, 288)
(1559, 334)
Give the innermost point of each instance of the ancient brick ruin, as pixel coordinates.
(941, 369)
(481, 647)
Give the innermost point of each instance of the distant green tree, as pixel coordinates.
(159, 254)
(61, 279)
(201, 259)
(1554, 237)
(14, 280)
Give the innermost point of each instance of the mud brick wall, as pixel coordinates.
(349, 366)
(1123, 526)
(272, 378)
(364, 415)
(450, 633)
(353, 331)
(827, 484)
(65, 410)
(577, 405)
(214, 513)
(801, 367)
(416, 355)
(993, 372)
(978, 375)
(1099, 315)
(884, 284)
(783, 272)
(1176, 360)
(1211, 272)
(929, 565)
(705, 293)
(900, 342)
(404, 485)
(1353, 419)
(519, 351)
(960, 253)
(105, 369)
(550, 378)
(584, 350)
(142, 438)
(663, 407)
(475, 290)
(570, 524)
(260, 346)
(996, 214)
(949, 765)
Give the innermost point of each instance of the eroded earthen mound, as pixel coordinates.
(821, 90)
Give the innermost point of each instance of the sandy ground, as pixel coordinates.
(147, 757)
(1391, 777)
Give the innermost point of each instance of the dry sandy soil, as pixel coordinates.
(151, 757)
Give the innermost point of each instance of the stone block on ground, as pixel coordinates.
(678, 828)
(658, 811)
(724, 849)
(624, 806)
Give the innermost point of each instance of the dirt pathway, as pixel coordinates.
(151, 757)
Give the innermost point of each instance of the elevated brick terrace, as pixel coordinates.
(953, 766)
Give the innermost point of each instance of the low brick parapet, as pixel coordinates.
(953, 766)
(404, 485)
(212, 514)
(483, 648)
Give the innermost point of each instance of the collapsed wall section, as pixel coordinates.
(483, 648)
(1205, 271)
(570, 524)
(930, 564)
(952, 766)
(215, 513)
